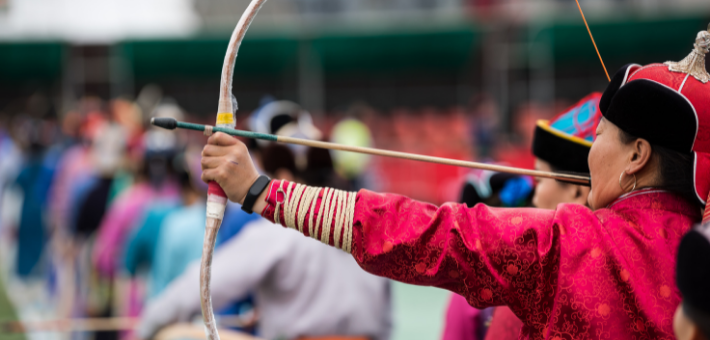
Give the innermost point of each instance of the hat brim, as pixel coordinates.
(564, 152)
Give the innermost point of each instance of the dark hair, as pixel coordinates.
(279, 121)
(182, 172)
(276, 157)
(675, 169)
(319, 169)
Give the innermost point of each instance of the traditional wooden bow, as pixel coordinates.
(216, 198)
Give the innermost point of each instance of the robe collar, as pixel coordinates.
(655, 199)
(635, 193)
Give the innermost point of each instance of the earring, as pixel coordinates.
(622, 187)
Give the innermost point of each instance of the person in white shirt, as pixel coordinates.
(301, 288)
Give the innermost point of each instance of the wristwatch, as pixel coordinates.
(256, 189)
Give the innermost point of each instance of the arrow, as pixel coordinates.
(172, 124)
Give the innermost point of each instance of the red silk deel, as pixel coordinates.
(570, 273)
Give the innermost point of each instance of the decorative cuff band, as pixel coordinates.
(325, 214)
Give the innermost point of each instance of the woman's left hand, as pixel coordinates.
(226, 161)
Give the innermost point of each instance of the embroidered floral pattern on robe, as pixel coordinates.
(570, 273)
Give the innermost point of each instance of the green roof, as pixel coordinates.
(634, 40)
(31, 61)
(204, 57)
(340, 54)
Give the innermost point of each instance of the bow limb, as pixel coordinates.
(216, 198)
(225, 88)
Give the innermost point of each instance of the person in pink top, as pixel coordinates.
(606, 271)
(154, 183)
(120, 220)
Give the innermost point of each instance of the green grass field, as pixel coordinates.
(418, 312)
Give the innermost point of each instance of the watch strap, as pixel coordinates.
(254, 191)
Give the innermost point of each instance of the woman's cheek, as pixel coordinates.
(544, 194)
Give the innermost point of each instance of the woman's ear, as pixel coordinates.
(639, 156)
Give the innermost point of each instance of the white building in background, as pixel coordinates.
(96, 21)
(108, 21)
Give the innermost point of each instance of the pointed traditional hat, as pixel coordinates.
(565, 140)
(669, 105)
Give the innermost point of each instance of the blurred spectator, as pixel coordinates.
(692, 318)
(464, 322)
(298, 282)
(93, 191)
(106, 155)
(141, 248)
(170, 234)
(486, 123)
(319, 171)
(180, 234)
(497, 189)
(9, 167)
(154, 183)
(285, 118)
(515, 148)
(34, 180)
(131, 178)
(350, 165)
(74, 174)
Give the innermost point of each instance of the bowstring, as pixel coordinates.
(592, 37)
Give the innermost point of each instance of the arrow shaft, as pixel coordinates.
(577, 179)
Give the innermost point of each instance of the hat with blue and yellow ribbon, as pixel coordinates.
(565, 140)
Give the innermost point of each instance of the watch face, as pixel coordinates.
(259, 185)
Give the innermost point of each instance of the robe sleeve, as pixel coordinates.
(491, 256)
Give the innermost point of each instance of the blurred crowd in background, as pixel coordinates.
(101, 211)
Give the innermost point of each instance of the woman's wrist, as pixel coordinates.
(257, 188)
(260, 203)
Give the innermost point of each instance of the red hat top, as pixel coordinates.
(669, 105)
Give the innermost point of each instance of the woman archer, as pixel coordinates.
(603, 271)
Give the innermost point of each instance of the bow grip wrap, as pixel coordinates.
(216, 204)
(216, 197)
(216, 200)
